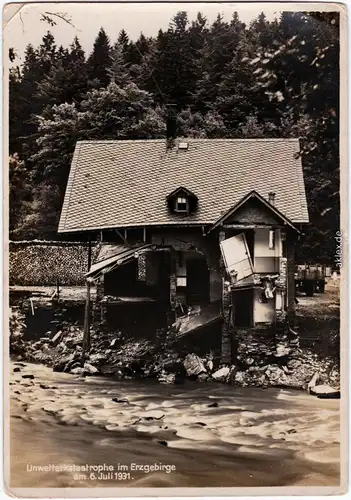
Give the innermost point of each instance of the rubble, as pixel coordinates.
(194, 365)
(261, 359)
(165, 378)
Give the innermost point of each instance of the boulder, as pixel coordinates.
(194, 365)
(324, 390)
(282, 351)
(221, 374)
(61, 363)
(90, 369)
(166, 378)
(97, 359)
(77, 371)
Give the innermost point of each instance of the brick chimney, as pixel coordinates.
(171, 125)
(271, 198)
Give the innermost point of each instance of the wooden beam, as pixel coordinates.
(144, 234)
(121, 236)
(252, 226)
(86, 331)
(125, 234)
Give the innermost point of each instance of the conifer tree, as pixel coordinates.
(99, 60)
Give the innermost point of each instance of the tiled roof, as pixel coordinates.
(125, 183)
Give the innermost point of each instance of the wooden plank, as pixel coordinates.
(86, 331)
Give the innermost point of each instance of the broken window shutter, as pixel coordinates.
(236, 257)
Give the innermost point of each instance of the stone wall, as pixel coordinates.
(42, 263)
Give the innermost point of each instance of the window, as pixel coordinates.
(181, 281)
(181, 204)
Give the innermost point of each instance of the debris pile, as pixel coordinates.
(261, 359)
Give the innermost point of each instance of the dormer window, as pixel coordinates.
(182, 201)
(181, 204)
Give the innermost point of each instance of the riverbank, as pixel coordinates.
(260, 361)
(214, 435)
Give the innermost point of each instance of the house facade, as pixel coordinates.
(201, 227)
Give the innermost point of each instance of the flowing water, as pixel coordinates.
(208, 434)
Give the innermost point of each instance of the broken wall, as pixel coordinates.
(266, 260)
(189, 241)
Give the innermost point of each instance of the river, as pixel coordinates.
(212, 434)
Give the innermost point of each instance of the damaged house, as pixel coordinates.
(189, 228)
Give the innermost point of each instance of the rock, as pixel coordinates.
(231, 374)
(293, 364)
(194, 365)
(213, 405)
(30, 376)
(77, 371)
(116, 400)
(221, 374)
(209, 365)
(324, 390)
(97, 358)
(57, 337)
(61, 364)
(165, 378)
(240, 378)
(275, 375)
(203, 377)
(249, 361)
(282, 351)
(17, 369)
(90, 369)
(72, 365)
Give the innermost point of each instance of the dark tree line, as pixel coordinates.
(269, 79)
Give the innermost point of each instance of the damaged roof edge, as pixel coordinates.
(252, 194)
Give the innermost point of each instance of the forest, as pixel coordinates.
(223, 79)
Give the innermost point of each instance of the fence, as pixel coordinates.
(41, 263)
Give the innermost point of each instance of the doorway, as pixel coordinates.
(198, 281)
(243, 307)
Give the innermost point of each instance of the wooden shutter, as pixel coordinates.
(236, 257)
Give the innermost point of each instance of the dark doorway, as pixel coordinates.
(243, 307)
(198, 281)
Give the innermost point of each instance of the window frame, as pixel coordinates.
(184, 202)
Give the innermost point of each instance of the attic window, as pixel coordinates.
(183, 145)
(181, 204)
(182, 201)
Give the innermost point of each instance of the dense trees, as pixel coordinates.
(269, 79)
